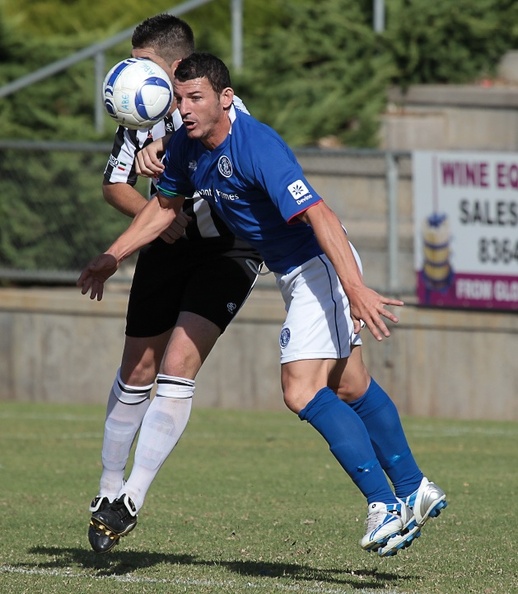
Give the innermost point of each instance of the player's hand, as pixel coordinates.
(148, 161)
(96, 273)
(177, 228)
(369, 307)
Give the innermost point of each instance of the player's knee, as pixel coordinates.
(131, 393)
(170, 386)
(296, 397)
(352, 390)
(138, 371)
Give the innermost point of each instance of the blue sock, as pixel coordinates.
(349, 442)
(381, 418)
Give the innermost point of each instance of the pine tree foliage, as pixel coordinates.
(449, 42)
(315, 71)
(320, 73)
(312, 70)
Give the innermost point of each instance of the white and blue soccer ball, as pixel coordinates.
(137, 93)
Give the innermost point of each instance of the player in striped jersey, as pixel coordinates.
(187, 287)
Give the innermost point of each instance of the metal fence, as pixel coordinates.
(53, 218)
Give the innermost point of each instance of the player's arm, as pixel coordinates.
(148, 161)
(366, 304)
(124, 197)
(157, 215)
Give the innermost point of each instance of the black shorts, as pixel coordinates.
(209, 277)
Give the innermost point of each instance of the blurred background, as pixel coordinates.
(354, 87)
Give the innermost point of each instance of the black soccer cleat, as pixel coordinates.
(100, 539)
(115, 520)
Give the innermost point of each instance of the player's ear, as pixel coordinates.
(174, 66)
(226, 97)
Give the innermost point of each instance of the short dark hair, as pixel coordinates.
(204, 65)
(170, 37)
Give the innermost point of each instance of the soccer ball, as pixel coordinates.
(137, 93)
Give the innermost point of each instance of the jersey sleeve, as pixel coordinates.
(121, 163)
(279, 174)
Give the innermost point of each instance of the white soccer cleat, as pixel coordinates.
(426, 502)
(411, 530)
(383, 522)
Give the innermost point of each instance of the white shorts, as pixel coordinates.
(318, 323)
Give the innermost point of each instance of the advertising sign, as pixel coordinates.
(466, 229)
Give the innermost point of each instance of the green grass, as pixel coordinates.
(249, 502)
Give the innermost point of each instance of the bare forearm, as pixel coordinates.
(365, 304)
(335, 244)
(146, 226)
(124, 198)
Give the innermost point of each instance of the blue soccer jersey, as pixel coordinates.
(254, 183)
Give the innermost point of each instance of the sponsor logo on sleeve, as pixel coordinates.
(299, 191)
(113, 161)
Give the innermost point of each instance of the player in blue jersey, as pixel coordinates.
(252, 179)
(175, 300)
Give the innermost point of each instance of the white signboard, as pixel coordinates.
(466, 229)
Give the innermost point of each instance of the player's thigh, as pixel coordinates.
(212, 296)
(191, 341)
(141, 358)
(350, 377)
(302, 379)
(218, 288)
(157, 288)
(318, 324)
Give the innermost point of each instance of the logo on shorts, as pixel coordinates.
(284, 337)
(231, 307)
(225, 166)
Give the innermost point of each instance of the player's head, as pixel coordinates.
(165, 37)
(204, 97)
(204, 65)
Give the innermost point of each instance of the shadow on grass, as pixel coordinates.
(120, 563)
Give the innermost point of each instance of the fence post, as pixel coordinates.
(378, 19)
(237, 33)
(99, 60)
(392, 177)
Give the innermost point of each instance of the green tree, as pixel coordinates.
(52, 214)
(319, 72)
(449, 42)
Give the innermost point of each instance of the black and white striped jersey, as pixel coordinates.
(121, 169)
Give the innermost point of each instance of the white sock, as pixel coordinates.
(126, 408)
(162, 427)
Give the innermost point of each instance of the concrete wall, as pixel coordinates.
(58, 346)
(452, 117)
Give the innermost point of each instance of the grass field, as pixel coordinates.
(250, 502)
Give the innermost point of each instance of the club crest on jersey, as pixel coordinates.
(193, 165)
(299, 191)
(225, 166)
(284, 338)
